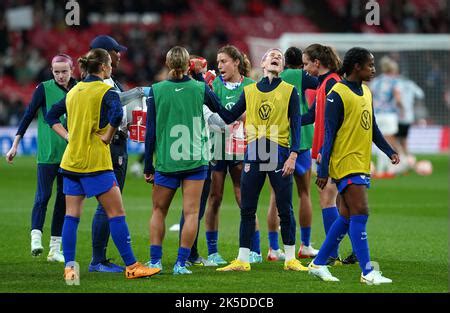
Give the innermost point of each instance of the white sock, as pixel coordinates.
(36, 234)
(244, 255)
(382, 163)
(55, 243)
(289, 252)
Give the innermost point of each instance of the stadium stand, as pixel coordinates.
(150, 28)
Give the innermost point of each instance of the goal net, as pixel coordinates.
(425, 59)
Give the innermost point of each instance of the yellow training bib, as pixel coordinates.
(86, 152)
(267, 113)
(352, 148)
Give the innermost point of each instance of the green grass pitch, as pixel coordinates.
(408, 237)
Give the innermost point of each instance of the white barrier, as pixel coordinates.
(422, 139)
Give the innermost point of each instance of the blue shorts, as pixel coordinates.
(303, 163)
(343, 183)
(89, 186)
(225, 165)
(174, 181)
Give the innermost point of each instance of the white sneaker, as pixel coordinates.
(275, 255)
(306, 252)
(36, 242)
(374, 278)
(321, 271)
(55, 256)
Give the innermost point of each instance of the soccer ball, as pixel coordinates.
(424, 168)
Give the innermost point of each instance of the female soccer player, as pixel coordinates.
(93, 113)
(175, 132)
(323, 62)
(234, 68)
(295, 75)
(273, 117)
(50, 150)
(350, 128)
(387, 102)
(119, 156)
(198, 70)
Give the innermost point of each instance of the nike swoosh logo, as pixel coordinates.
(276, 171)
(229, 97)
(178, 89)
(331, 100)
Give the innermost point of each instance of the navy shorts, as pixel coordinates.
(225, 165)
(89, 186)
(173, 181)
(361, 179)
(303, 163)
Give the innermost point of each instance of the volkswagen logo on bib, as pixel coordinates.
(265, 110)
(365, 120)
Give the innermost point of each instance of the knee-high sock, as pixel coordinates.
(122, 239)
(69, 237)
(329, 215)
(211, 241)
(155, 253)
(100, 235)
(273, 240)
(358, 237)
(335, 234)
(183, 254)
(305, 235)
(256, 242)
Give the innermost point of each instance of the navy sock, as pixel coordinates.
(273, 240)
(358, 237)
(305, 235)
(211, 241)
(335, 234)
(329, 215)
(122, 239)
(69, 237)
(256, 242)
(155, 253)
(183, 254)
(100, 236)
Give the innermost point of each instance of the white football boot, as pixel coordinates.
(375, 278)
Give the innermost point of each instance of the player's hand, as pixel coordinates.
(11, 154)
(321, 182)
(149, 178)
(288, 167)
(319, 158)
(209, 77)
(395, 158)
(198, 65)
(105, 138)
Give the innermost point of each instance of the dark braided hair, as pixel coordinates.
(293, 57)
(356, 55)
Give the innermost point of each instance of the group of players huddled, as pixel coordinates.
(199, 127)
